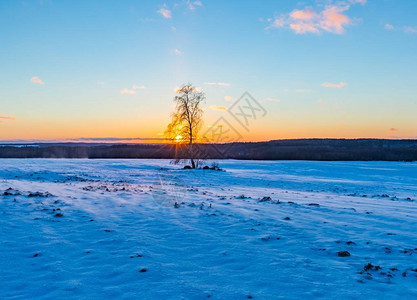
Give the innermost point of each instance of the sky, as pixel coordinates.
(100, 69)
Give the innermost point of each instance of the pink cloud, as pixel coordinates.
(192, 4)
(331, 18)
(301, 28)
(409, 29)
(166, 13)
(140, 87)
(36, 80)
(306, 14)
(334, 85)
(389, 27)
(127, 92)
(6, 118)
(277, 23)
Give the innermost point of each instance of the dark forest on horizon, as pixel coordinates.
(301, 149)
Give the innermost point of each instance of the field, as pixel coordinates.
(141, 229)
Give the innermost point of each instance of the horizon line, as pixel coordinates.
(137, 140)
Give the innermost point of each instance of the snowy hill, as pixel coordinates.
(145, 229)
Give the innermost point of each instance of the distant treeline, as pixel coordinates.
(302, 149)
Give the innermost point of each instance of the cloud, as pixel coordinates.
(301, 28)
(138, 87)
(278, 22)
(303, 91)
(132, 91)
(228, 98)
(100, 82)
(126, 91)
(334, 20)
(192, 4)
(331, 18)
(409, 29)
(393, 129)
(305, 15)
(334, 85)
(389, 27)
(218, 107)
(363, 2)
(273, 100)
(217, 83)
(165, 12)
(36, 80)
(7, 118)
(322, 102)
(177, 52)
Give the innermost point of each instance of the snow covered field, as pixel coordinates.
(145, 229)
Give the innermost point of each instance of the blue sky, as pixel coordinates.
(97, 69)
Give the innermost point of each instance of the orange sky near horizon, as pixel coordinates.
(57, 130)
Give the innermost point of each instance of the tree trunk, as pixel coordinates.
(192, 156)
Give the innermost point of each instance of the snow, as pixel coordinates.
(201, 234)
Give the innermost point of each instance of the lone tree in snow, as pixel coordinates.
(187, 120)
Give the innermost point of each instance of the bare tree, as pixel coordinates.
(187, 120)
